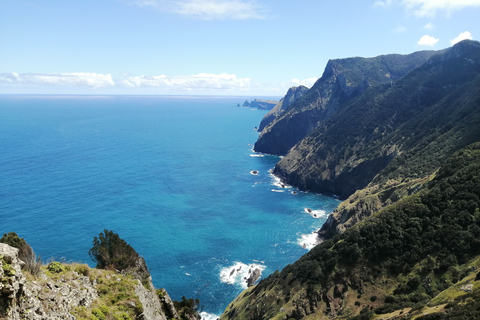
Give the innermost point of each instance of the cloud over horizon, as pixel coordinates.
(74, 79)
(428, 8)
(305, 82)
(208, 9)
(462, 36)
(427, 41)
(198, 82)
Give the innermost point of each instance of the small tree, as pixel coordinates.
(110, 251)
(25, 252)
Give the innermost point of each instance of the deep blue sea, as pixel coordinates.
(171, 175)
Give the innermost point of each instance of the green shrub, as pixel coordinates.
(110, 251)
(25, 252)
(56, 267)
(99, 314)
(82, 269)
(122, 316)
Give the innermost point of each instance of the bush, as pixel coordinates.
(110, 251)
(83, 269)
(55, 267)
(25, 252)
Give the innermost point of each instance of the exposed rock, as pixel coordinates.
(260, 104)
(42, 299)
(12, 281)
(293, 94)
(342, 80)
(57, 297)
(152, 308)
(254, 276)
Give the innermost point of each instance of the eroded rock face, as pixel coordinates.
(44, 298)
(12, 281)
(57, 297)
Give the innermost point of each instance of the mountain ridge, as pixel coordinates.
(407, 236)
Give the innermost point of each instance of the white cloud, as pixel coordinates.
(380, 3)
(306, 82)
(200, 81)
(400, 29)
(162, 83)
(208, 9)
(429, 26)
(427, 40)
(426, 8)
(462, 36)
(79, 79)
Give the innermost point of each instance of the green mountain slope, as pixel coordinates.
(387, 142)
(412, 258)
(342, 80)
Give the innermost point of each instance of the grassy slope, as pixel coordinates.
(411, 256)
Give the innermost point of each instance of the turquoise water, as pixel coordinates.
(171, 175)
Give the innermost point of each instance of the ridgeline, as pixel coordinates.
(397, 138)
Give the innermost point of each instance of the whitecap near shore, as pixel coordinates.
(315, 213)
(308, 241)
(239, 273)
(208, 316)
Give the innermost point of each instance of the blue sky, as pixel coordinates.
(210, 47)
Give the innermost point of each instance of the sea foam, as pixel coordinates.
(239, 273)
(208, 316)
(315, 213)
(308, 241)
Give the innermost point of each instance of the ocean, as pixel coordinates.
(176, 177)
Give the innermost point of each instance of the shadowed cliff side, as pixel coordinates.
(416, 259)
(76, 291)
(342, 80)
(293, 94)
(387, 142)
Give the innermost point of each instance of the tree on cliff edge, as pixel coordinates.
(110, 251)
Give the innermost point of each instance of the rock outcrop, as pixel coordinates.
(43, 298)
(342, 80)
(63, 295)
(260, 104)
(12, 281)
(293, 94)
(387, 142)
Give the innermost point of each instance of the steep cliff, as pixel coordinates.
(293, 94)
(342, 80)
(406, 241)
(417, 257)
(390, 139)
(76, 291)
(260, 104)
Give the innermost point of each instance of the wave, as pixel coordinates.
(256, 155)
(208, 316)
(239, 273)
(308, 241)
(278, 182)
(315, 213)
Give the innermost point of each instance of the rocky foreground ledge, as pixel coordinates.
(76, 291)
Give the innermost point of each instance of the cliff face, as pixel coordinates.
(391, 138)
(342, 80)
(260, 104)
(75, 291)
(399, 153)
(418, 258)
(293, 94)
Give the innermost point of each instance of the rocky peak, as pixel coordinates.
(293, 94)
